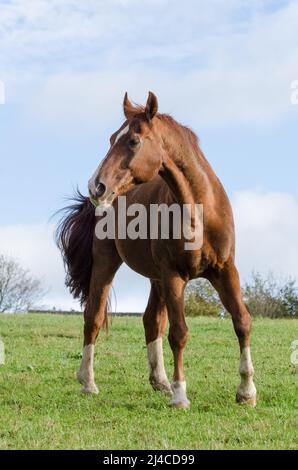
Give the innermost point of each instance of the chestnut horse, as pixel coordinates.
(153, 159)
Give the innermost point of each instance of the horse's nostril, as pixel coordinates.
(100, 189)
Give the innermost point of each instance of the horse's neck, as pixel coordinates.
(185, 174)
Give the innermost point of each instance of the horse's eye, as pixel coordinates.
(134, 142)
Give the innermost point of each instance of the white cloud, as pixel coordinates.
(2, 93)
(267, 227)
(218, 63)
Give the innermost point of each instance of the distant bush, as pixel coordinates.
(265, 296)
(271, 297)
(202, 299)
(18, 289)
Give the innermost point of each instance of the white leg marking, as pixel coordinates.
(85, 374)
(179, 399)
(246, 391)
(157, 374)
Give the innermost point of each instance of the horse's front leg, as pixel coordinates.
(95, 315)
(173, 288)
(155, 322)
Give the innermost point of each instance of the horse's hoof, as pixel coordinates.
(90, 389)
(164, 387)
(182, 405)
(87, 387)
(179, 399)
(244, 400)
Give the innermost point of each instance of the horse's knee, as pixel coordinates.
(91, 329)
(242, 324)
(178, 336)
(147, 320)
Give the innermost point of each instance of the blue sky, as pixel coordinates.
(223, 68)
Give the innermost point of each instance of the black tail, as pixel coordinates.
(74, 237)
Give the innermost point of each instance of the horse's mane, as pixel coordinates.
(176, 126)
(185, 133)
(188, 133)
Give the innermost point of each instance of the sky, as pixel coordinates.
(224, 68)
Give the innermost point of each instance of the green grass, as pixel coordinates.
(42, 408)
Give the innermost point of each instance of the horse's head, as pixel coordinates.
(135, 155)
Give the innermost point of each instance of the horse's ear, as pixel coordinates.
(151, 106)
(128, 108)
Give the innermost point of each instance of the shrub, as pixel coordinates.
(202, 299)
(271, 297)
(264, 296)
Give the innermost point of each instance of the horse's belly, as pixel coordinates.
(137, 255)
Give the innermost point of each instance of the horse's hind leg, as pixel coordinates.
(155, 321)
(227, 283)
(106, 263)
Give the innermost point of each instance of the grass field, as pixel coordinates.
(42, 408)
